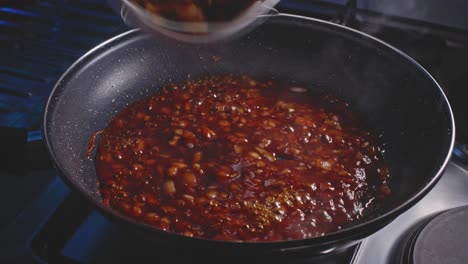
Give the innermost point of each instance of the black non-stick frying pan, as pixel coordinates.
(391, 91)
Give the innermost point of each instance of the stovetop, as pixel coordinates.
(44, 222)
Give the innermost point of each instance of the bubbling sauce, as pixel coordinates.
(234, 158)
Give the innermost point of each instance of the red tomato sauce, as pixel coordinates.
(233, 158)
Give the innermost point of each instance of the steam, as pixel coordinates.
(414, 9)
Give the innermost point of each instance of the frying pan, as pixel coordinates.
(393, 93)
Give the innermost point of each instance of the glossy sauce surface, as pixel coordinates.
(233, 158)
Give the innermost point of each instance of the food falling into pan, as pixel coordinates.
(196, 20)
(238, 159)
(197, 10)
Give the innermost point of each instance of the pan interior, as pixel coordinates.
(395, 96)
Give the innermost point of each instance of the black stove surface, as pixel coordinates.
(43, 222)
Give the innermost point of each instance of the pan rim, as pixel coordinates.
(352, 232)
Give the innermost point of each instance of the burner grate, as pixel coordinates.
(38, 41)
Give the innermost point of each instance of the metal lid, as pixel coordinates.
(443, 239)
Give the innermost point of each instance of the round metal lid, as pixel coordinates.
(444, 239)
